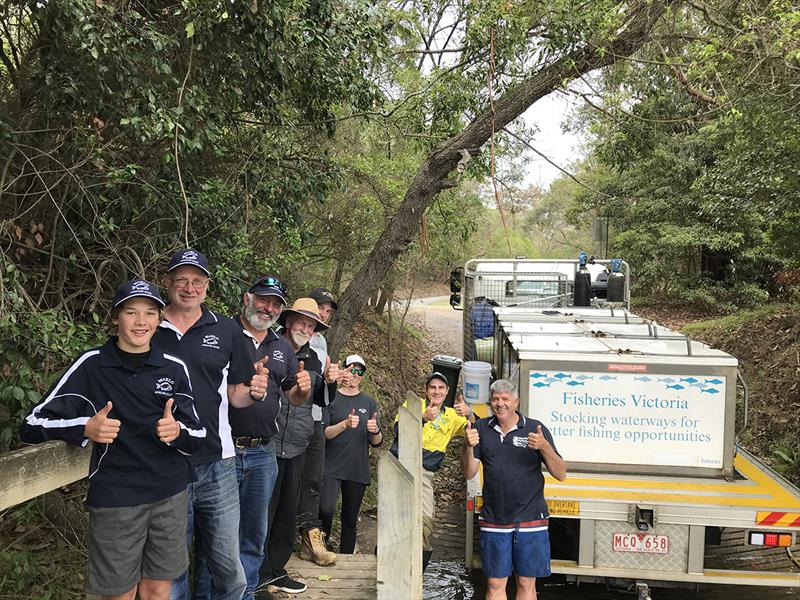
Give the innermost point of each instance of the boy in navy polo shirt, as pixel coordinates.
(135, 403)
(514, 516)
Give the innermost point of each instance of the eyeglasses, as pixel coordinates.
(182, 283)
(272, 282)
(357, 371)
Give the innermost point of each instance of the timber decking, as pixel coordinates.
(352, 577)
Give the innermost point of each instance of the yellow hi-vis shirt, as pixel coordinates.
(436, 434)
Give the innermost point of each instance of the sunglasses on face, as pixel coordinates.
(273, 282)
(357, 371)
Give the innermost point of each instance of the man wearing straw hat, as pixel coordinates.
(295, 428)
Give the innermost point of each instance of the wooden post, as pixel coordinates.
(36, 470)
(400, 511)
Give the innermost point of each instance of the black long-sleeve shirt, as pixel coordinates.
(137, 467)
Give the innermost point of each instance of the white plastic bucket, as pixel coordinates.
(476, 381)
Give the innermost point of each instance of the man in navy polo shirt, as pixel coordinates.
(253, 428)
(222, 374)
(513, 519)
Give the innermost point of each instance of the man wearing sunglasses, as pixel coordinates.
(312, 545)
(254, 428)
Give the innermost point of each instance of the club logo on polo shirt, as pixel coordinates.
(211, 341)
(362, 410)
(520, 442)
(164, 386)
(140, 286)
(277, 355)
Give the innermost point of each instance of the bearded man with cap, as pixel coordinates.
(254, 428)
(312, 541)
(295, 428)
(440, 424)
(222, 375)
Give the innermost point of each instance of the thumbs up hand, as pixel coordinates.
(537, 441)
(100, 428)
(331, 371)
(260, 381)
(167, 427)
(303, 378)
(461, 407)
(372, 424)
(471, 435)
(431, 413)
(351, 422)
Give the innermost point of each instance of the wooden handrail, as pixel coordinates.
(400, 511)
(36, 470)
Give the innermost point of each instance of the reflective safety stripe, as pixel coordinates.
(778, 519)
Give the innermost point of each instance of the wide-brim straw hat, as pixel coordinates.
(305, 307)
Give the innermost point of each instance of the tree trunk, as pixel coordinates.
(432, 176)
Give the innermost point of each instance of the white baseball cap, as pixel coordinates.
(354, 359)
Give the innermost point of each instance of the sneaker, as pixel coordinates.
(287, 584)
(312, 547)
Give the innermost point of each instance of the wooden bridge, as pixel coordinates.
(395, 573)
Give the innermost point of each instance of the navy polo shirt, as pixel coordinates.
(214, 350)
(259, 420)
(137, 467)
(513, 483)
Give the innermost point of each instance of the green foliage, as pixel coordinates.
(694, 155)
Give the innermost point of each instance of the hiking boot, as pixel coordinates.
(312, 547)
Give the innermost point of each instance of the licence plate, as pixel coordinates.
(641, 542)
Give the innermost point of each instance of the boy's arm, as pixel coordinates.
(192, 433)
(63, 411)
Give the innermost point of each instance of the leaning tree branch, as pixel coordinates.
(432, 176)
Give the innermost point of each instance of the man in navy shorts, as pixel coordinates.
(513, 520)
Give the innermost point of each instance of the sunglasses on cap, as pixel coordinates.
(358, 371)
(272, 282)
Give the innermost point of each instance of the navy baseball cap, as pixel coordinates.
(190, 257)
(437, 375)
(269, 286)
(321, 295)
(136, 288)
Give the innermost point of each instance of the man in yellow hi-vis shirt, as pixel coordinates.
(440, 425)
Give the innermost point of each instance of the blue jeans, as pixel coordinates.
(214, 509)
(256, 470)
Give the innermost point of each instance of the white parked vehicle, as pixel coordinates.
(646, 419)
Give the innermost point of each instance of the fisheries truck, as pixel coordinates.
(658, 491)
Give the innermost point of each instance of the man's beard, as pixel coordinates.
(299, 338)
(255, 318)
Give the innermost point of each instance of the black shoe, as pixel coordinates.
(287, 584)
(426, 558)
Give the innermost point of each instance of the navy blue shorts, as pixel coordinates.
(519, 548)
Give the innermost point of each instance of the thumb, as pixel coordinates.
(469, 424)
(374, 416)
(106, 409)
(259, 368)
(352, 412)
(301, 366)
(168, 408)
(539, 429)
(327, 361)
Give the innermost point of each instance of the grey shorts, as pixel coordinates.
(129, 543)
